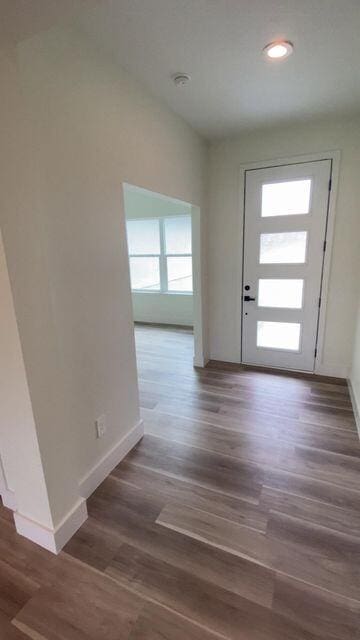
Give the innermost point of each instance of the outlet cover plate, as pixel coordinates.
(100, 426)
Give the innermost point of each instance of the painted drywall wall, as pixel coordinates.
(22, 221)
(21, 469)
(75, 128)
(155, 307)
(163, 308)
(355, 369)
(225, 233)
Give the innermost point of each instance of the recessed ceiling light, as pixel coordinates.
(278, 50)
(181, 79)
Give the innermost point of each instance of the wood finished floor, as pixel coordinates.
(236, 517)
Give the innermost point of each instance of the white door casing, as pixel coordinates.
(284, 233)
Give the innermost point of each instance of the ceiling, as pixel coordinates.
(219, 42)
(21, 19)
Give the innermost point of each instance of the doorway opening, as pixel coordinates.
(163, 236)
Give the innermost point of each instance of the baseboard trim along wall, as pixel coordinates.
(103, 468)
(355, 405)
(7, 495)
(52, 539)
(8, 499)
(332, 371)
(200, 362)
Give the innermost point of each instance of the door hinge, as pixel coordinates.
(319, 302)
(324, 246)
(315, 352)
(330, 184)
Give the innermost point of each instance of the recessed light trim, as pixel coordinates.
(278, 50)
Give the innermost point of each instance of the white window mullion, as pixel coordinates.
(163, 262)
(178, 255)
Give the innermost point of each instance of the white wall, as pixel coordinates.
(225, 233)
(76, 128)
(23, 226)
(355, 370)
(163, 308)
(21, 470)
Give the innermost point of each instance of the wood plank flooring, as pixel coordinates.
(236, 517)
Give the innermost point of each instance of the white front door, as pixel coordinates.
(284, 242)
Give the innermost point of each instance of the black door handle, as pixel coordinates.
(248, 298)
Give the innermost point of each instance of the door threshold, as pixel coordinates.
(291, 373)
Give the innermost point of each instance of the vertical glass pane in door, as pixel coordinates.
(283, 248)
(286, 198)
(282, 293)
(278, 335)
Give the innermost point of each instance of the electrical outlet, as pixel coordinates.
(100, 426)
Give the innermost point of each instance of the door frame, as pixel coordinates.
(334, 156)
(200, 357)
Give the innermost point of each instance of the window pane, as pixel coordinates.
(143, 236)
(284, 293)
(278, 335)
(145, 273)
(178, 234)
(283, 248)
(286, 198)
(179, 274)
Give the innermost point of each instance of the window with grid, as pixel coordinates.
(160, 254)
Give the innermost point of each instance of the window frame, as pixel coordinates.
(162, 257)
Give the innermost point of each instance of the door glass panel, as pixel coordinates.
(143, 236)
(284, 293)
(286, 198)
(283, 248)
(179, 271)
(145, 273)
(278, 335)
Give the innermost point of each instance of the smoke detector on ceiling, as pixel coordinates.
(181, 79)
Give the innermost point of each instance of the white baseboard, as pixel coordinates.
(52, 539)
(55, 539)
(7, 496)
(200, 361)
(355, 405)
(103, 468)
(333, 371)
(8, 499)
